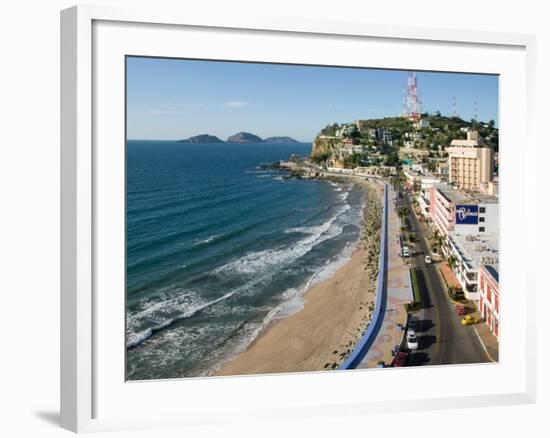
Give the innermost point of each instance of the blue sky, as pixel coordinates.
(175, 99)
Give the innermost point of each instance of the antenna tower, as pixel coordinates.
(411, 101)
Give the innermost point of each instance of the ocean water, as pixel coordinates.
(217, 248)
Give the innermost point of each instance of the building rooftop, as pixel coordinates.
(457, 196)
(464, 143)
(477, 250)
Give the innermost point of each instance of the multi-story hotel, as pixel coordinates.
(470, 163)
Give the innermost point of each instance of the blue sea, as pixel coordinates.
(218, 248)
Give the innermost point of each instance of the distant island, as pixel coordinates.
(244, 137)
(281, 140)
(240, 138)
(203, 138)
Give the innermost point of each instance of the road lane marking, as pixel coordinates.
(431, 293)
(483, 345)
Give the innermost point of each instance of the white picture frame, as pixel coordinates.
(89, 400)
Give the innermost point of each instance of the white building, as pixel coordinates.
(423, 203)
(350, 149)
(470, 252)
(340, 170)
(418, 180)
(422, 123)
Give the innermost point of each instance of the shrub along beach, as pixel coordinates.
(335, 314)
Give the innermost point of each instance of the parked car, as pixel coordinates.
(400, 359)
(413, 324)
(468, 320)
(405, 251)
(460, 310)
(412, 340)
(427, 259)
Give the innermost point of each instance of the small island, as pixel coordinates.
(203, 138)
(281, 140)
(244, 137)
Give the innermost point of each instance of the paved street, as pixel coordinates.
(442, 339)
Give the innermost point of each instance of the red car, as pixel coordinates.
(460, 310)
(400, 359)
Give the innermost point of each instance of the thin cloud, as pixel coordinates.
(165, 112)
(235, 104)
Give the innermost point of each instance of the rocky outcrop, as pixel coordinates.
(203, 138)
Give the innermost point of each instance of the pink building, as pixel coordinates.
(442, 211)
(489, 296)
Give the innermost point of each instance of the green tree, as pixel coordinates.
(392, 159)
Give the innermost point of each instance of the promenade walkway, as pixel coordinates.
(399, 292)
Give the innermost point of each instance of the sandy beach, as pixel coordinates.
(318, 337)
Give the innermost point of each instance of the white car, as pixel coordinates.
(427, 259)
(412, 341)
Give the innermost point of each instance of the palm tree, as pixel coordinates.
(438, 240)
(451, 261)
(402, 212)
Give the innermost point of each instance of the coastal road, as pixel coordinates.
(442, 339)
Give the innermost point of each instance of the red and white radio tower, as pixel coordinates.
(411, 101)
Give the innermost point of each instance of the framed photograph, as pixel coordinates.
(262, 208)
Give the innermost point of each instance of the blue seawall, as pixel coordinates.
(370, 334)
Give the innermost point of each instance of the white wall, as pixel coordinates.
(491, 223)
(29, 219)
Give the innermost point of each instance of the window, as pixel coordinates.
(481, 219)
(481, 229)
(482, 209)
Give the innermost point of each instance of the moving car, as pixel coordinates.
(468, 320)
(412, 340)
(400, 359)
(427, 259)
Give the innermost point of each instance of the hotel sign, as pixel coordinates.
(467, 214)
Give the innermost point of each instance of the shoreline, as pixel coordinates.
(319, 336)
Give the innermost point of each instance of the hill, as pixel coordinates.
(285, 140)
(373, 140)
(244, 137)
(203, 138)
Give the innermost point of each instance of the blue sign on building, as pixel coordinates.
(467, 214)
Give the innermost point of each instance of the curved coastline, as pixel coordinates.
(320, 336)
